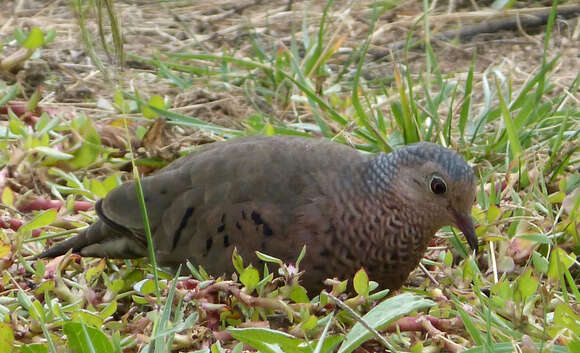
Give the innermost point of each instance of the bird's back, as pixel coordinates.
(240, 193)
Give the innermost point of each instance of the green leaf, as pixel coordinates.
(145, 287)
(156, 102)
(16, 126)
(268, 258)
(503, 290)
(111, 182)
(508, 347)
(45, 286)
(448, 259)
(493, 213)
(94, 271)
(33, 348)
(36, 311)
(139, 300)
(250, 278)
(269, 131)
(87, 317)
(86, 339)
(310, 323)
(417, 347)
(538, 238)
(361, 283)
(8, 197)
(52, 153)
(381, 316)
(120, 103)
(323, 299)
(116, 286)
(266, 340)
(540, 262)
(88, 152)
(42, 219)
(527, 285)
(109, 310)
(217, 348)
(33, 101)
(299, 294)
(557, 197)
(574, 345)
(35, 39)
(301, 256)
(559, 260)
(475, 334)
(564, 316)
(6, 338)
(49, 36)
(379, 295)
(237, 261)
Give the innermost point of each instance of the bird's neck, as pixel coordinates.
(377, 175)
(378, 196)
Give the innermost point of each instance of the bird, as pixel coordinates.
(276, 194)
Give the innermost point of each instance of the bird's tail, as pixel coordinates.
(103, 238)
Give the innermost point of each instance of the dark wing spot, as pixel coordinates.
(221, 228)
(238, 225)
(223, 220)
(266, 229)
(163, 191)
(325, 252)
(226, 241)
(208, 244)
(257, 218)
(188, 213)
(244, 214)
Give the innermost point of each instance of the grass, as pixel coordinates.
(521, 137)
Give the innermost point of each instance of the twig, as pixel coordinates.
(247, 299)
(517, 18)
(440, 336)
(428, 274)
(15, 224)
(44, 204)
(415, 323)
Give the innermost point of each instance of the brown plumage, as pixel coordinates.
(275, 194)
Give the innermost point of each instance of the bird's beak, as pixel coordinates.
(464, 222)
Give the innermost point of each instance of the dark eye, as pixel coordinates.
(438, 186)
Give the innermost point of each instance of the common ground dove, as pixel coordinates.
(276, 194)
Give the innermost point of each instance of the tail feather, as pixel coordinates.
(100, 240)
(75, 243)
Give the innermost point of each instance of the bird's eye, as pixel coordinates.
(438, 186)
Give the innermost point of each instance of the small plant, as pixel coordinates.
(29, 42)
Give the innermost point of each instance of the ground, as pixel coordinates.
(231, 98)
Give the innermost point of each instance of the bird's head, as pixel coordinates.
(437, 183)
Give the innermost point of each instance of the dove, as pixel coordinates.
(276, 194)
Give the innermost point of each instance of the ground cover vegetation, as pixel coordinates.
(95, 93)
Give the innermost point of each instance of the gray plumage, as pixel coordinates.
(275, 194)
